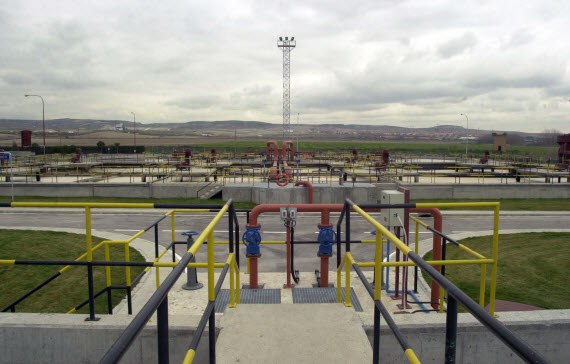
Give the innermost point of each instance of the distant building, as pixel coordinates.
(500, 142)
(530, 140)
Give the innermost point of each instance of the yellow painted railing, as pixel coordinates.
(207, 234)
(481, 260)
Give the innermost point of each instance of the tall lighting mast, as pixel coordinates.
(287, 46)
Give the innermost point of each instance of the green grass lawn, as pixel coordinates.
(174, 200)
(404, 147)
(69, 289)
(545, 204)
(533, 268)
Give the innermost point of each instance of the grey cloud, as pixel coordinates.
(494, 81)
(358, 61)
(16, 78)
(258, 90)
(457, 46)
(195, 102)
(68, 80)
(519, 38)
(372, 98)
(65, 44)
(559, 90)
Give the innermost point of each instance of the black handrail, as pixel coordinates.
(503, 333)
(521, 348)
(208, 312)
(124, 341)
(198, 191)
(120, 346)
(12, 306)
(382, 310)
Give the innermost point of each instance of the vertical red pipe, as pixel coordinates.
(436, 248)
(324, 271)
(253, 283)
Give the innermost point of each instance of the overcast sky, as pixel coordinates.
(506, 64)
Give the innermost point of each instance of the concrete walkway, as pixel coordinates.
(286, 333)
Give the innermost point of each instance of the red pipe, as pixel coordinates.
(275, 150)
(291, 149)
(404, 304)
(259, 209)
(309, 186)
(436, 248)
(325, 210)
(253, 283)
(324, 271)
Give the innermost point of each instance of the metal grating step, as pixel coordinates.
(324, 295)
(264, 296)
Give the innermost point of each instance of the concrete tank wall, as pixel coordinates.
(360, 193)
(547, 332)
(59, 338)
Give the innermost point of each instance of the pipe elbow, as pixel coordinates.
(309, 185)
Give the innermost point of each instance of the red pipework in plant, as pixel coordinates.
(436, 248)
(324, 209)
(288, 150)
(309, 186)
(269, 151)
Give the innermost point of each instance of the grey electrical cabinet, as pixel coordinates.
(392, 217)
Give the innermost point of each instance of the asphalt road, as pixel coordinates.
(129, 222)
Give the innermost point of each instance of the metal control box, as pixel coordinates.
(392, 217)
(288, 213)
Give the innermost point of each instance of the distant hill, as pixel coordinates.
(93, 124)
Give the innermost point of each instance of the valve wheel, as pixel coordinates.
(278, 179)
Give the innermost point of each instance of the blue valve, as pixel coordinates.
(252, 239)
(326, 238)
(190, 234)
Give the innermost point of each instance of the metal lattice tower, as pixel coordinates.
(287, 46)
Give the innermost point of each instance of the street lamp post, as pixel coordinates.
(43, 120)
(135, 130)
(467, 138)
